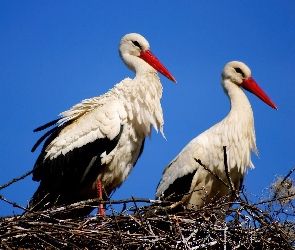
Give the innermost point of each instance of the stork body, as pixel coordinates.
(192, 182)
(100, 139)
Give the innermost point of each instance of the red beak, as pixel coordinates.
(148, 57)
(250, 85)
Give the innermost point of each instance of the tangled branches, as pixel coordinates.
(148, 227)
(149, 224)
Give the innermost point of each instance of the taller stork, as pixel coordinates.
(187, 179)
(98, 141)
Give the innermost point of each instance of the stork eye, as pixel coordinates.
(238, 70)
(136, 44)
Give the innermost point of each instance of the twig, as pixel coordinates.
(12, 203)
(91, 202)
(276, 193)
(140, 217)
(117, 224)
(140, 224)
(16, 179)
(233, 190)
(215, 175)
(226, 170)
(286, 177)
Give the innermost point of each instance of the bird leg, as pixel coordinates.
(99, 194)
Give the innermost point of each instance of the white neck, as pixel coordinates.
(142, 101)
(239, 123)
(239, 101)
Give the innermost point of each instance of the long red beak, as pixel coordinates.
(148, 56)
(250, 85)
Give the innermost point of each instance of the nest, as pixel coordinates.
(153, 224)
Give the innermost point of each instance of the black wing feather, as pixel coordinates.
(179, 187)
(61, 177)
(42, 138)
(140, 151)
(49, 124)
(48, 133)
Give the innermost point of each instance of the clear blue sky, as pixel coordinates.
(53, 54)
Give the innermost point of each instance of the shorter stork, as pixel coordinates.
(190, 182)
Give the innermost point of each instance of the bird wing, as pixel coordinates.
(177, 176)
(104, 120)
(86, 131)
(184, 173)
(70, 159)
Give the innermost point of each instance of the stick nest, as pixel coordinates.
(150, 224)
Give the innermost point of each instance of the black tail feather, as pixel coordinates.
(43, 138)
(49, 124)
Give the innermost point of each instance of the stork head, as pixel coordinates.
(238, 73)
(133, 44)
(135, 52)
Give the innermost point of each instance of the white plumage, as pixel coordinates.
(100, 139)
(236, 131)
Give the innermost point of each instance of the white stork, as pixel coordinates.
(190, 182)
(99, 140)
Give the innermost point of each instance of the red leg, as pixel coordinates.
(99, 194)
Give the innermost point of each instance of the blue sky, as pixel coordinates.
(56, 53)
